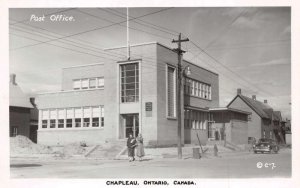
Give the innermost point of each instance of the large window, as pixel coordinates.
(129, 82)
(171, 91)
(80, 117)
(195, 120)
(88, 83)
(197, 89)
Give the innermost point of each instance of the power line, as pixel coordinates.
(116, 14)
(78, 46)
(62, 47)
(79, 43)
(223, 31)
(161, 27)
(133, 28)
(95, 29)
(217, 61)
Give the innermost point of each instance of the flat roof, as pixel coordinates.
(140, 44)
(163, 45)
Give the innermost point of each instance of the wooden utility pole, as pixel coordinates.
(179, 91)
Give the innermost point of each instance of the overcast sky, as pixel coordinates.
(250, 48)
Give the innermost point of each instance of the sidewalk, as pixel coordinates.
(187, 152)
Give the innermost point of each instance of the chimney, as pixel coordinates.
(32, 101)
(13, 79)
(239, 91)
(266, 101)
(254, 97)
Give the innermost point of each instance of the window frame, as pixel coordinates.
(174, 91)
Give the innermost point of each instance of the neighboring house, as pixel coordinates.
(264, 122)
(229, 125)
(22, 113)
(137, 95)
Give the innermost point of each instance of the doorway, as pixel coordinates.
(130, 124)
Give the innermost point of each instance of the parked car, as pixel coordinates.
(266, 145)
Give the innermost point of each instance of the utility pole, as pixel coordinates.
(179, 51)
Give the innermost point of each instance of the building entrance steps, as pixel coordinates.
(108, 150)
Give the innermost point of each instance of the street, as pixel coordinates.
(235, 165)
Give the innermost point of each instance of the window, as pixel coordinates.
(86, 115)
(88, 83)
(69, 123)
(197, 89)
(45, 117)
(200, 90)
(193, 86)
(44, 124)
(171, 91)
(84, 83)
(78, 115)
(204, 125)
(52, 123)
(70, 116)
(100, 82)
(77, 122)
(61, 123)
(13, 131)
(73, 117)
(61, 118)
(86, 122)
(92, 83)
(76, 84)
(129, 82)
(95, 122)
(53, 116)
(102, 117)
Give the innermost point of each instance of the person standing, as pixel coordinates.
(140, 147)
(130, 147)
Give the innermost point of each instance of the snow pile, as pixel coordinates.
(23, 145)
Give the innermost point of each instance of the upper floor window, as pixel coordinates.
(197, 89)
(88, 83)
(129, 82)
(171, 91)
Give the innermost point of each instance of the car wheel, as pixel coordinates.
(255, 152)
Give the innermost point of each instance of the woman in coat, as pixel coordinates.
(130, 146)
(140, 147)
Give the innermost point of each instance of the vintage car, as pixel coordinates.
(266, 145)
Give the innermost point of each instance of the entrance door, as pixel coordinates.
(131, 124)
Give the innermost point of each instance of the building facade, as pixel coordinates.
(263, 122)
(23, 115)
(110, 100)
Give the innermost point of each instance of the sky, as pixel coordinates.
(249, 47)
